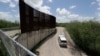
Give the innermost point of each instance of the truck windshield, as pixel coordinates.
(63, 41)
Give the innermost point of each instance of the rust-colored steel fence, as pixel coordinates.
(33, 20)
(35, 25)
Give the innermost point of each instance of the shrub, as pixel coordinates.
(86, 35)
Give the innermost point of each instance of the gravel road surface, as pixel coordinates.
(12, 32)
(51, 46)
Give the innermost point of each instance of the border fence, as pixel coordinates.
(35, 26)
(34, 20)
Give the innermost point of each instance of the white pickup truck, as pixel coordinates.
(62, 41)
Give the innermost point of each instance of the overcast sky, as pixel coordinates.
(64, 10)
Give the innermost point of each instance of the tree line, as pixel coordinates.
(7, 24)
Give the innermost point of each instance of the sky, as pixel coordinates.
(63, 10)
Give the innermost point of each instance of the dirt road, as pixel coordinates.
(12, 32)
(51, 46)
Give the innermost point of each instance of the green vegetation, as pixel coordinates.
(6, 24)
(86, 35)
(2, 50)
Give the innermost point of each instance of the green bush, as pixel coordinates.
(86, 35)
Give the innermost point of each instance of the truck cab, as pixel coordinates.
(62, 41)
